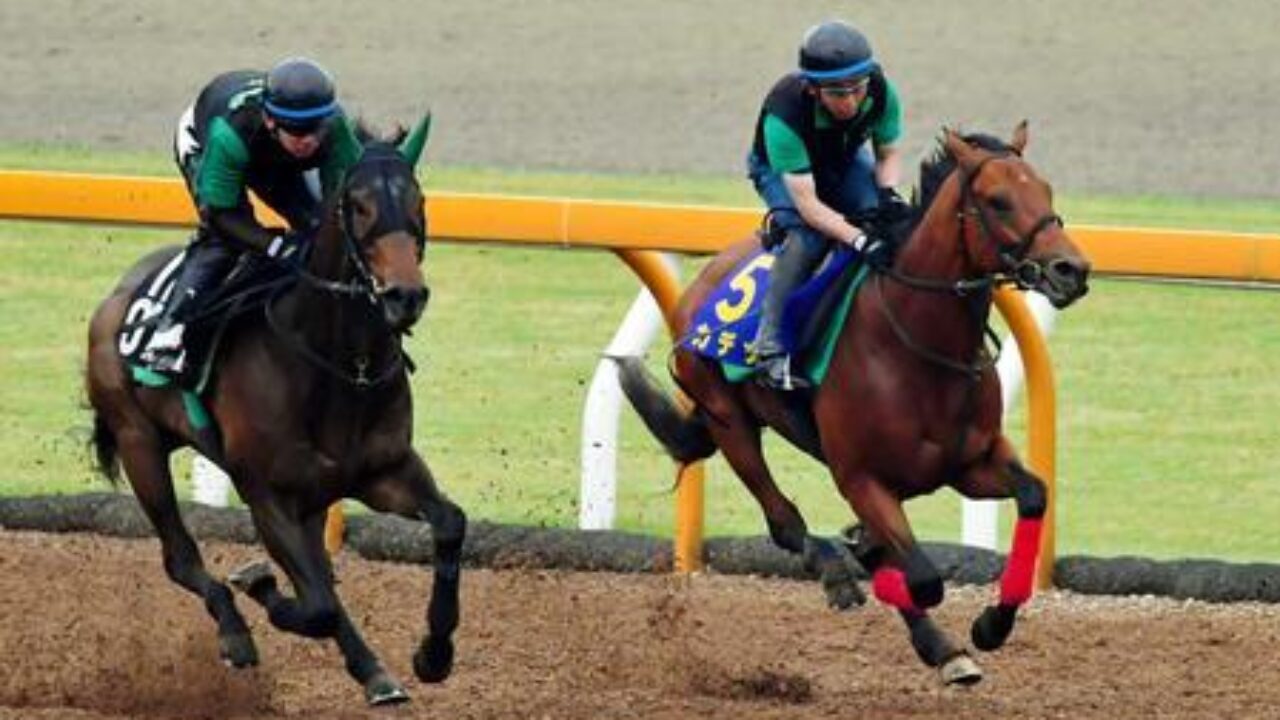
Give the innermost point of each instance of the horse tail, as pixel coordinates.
(105, 449)
(682, 432)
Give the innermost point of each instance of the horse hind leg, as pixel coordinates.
(146, 465)
(739, 441)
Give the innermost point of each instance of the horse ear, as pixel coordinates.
(957, 148)
(1019, 137)
(416, 141)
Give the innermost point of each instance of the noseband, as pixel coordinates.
(1016, 268)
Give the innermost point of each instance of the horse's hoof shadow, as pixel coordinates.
(251, 576)
(960, 670)
(382, 689)
(237, 650)
(843, 592)
(433, 661)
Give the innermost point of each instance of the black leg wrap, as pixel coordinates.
(993, 627)
(1029, 493)
(923, 581)
(433, 661)
(931, 645)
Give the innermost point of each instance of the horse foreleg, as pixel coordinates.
(147, 468)
(933, 646)
(992, 628)
(409, 490)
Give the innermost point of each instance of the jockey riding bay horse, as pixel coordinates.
(910, 401)
(311, 404)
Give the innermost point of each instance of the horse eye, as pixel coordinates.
(1000, 204)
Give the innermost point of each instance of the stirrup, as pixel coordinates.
(770, 376)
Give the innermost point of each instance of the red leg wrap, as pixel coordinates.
(1020, 570)
(890, 587)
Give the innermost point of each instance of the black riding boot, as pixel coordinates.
(795, 262)
(202, 270)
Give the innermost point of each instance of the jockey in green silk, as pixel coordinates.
(825, 151)
(281, 134)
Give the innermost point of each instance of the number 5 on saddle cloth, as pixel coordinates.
(724, 327)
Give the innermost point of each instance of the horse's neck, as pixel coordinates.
(947, 322)
(343, 329)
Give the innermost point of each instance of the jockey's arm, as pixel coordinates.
(888, 166)
(817, 214)
(238, 225)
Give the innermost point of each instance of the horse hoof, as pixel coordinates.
(960, 670)
(844, 593)
(250, 576)
(992, 627)
(238, 650)
(433, 661)
(382, 689)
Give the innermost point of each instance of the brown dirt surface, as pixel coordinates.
(92, 629)
(1135, 98)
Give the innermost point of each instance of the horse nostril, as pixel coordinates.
(1068, 269)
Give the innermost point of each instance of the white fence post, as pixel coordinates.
(598, 494)
(210, 486)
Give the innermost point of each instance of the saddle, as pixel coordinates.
(248, 287)
(725, 325)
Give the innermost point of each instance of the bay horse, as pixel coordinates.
(312, 404)
(911, 400)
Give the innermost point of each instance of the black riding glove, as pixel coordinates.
(891, 208)
(878, 252)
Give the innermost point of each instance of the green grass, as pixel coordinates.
(1167, 410)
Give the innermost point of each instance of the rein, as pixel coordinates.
(362, 286)
(1015, 270)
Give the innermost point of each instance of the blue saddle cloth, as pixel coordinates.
(724, 328)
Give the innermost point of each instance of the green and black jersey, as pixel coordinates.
(236, 152)
(795, 133)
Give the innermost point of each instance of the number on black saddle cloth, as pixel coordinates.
(247, 287)
(724, 327)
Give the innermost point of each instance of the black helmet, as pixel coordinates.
(835, 50)
(299, 94)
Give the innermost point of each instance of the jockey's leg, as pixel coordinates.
(207, 262)
(802, 250)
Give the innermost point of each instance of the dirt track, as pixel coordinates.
(92, 629)
(1120, 101)
(1123, 97)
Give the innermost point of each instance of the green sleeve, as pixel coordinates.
(220, 181)
(343, 153)
(888, 128)
(787, 153)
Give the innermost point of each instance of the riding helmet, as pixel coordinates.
(299, 94)
(835, 50)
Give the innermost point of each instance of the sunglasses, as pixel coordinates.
(301, 132)
(843, 90)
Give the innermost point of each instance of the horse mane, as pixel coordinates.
(935, 168)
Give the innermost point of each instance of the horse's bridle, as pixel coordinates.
(363, 286)
(1017, 268)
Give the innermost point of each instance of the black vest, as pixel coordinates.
(831, 149)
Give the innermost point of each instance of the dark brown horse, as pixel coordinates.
(911, 401)
(311, 398)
